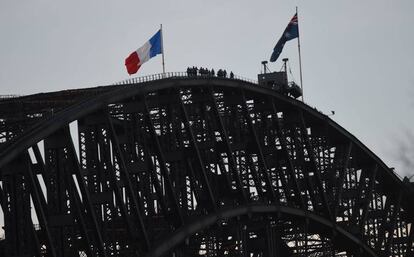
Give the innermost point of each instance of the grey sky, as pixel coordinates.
(357, 55)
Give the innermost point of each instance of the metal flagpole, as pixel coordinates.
(162, 49)
(300, 58)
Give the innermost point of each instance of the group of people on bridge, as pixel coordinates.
(221, 73)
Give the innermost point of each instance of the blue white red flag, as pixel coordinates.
(291, 32)
(150, 49)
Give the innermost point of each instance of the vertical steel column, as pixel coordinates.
(147, 157)
(229, 151)
(39, 202)
(358, 199)
(73, 192)
(163, 166)
(391, 226)
(382, 229)
(369, 191)
(157, 186)
(74, 198)
(196, 189)
(85, 193)
(262, 161)
(114, 184)
(290, 168)
(312, 160)
(256, 179)
(20, 235)
(136, 148)
(204, 177)
(130, 190)
(341, 179)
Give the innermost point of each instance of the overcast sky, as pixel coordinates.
(357, 56)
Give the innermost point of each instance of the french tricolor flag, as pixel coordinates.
(150, 49)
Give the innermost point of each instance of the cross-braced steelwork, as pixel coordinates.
(192, 166)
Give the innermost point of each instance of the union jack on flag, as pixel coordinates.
(294, 19)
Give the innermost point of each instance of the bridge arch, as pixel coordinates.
(182, 234)
(154, 156)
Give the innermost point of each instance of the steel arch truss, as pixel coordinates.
(198, 167)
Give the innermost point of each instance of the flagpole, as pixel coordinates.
(162, 49)
(300, 58)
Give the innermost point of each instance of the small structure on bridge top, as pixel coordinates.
(278, 81)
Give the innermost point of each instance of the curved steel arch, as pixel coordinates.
(165, 151)
(181, 234)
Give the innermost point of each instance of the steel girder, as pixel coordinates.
(198, 166)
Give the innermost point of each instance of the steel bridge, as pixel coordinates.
(172, 165)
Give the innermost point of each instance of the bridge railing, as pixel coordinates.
(159, 76)
(181, 74)
(4, 97)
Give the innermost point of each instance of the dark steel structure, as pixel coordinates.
(173, 165)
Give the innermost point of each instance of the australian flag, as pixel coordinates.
(291, 32)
